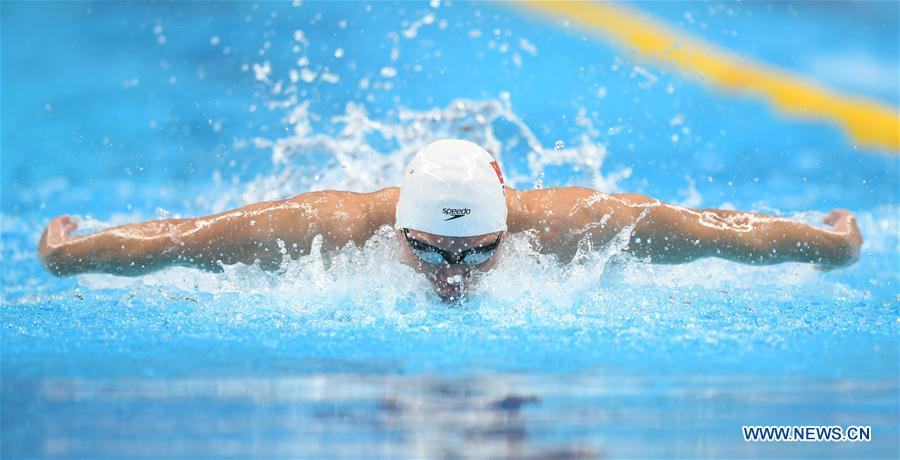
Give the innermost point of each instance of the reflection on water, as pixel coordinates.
(471, 416)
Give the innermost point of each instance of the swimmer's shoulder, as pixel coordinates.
(376, 208)
(381, 206)
(528, 208)
(342, 215)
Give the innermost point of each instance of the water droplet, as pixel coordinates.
(388, 72)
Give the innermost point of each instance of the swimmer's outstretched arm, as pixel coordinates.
(252, 233)
(673, 234)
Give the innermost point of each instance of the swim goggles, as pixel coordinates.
(433, 256)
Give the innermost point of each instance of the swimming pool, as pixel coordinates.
(120, 112)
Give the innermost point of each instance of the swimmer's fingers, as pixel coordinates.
(56, 233)
(844, 224)
(836, 216)
(55, 236)
(843, 221)
(68, 224)
(61, 227)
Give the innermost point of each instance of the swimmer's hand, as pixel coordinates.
(55, 237)
(843, 224)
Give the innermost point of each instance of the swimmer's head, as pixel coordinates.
(451, 214)
(452, 188)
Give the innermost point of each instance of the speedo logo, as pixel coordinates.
(455, 213)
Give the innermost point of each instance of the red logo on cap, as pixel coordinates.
(497, 170)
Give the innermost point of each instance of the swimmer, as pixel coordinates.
(451, 215)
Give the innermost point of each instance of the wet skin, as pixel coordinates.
(559, 218)
(450, 281)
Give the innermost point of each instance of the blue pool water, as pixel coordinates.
(118, 112)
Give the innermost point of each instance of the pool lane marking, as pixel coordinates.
(870, 123)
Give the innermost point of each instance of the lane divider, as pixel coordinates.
(869, 123)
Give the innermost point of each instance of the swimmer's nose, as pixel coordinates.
(451, 274)
(450, 282)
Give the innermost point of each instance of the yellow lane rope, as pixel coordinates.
(869, 123)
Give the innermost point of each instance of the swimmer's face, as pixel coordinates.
(450, 280)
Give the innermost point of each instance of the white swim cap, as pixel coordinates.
(452, 188)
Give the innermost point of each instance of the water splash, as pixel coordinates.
(366, 154)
